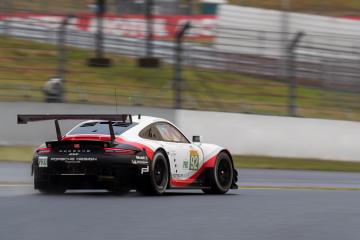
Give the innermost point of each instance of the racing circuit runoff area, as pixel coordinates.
(270, 204)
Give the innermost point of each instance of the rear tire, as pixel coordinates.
(220, 178)
(158, 180)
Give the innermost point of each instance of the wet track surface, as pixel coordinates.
(241, 214)
(21, 173)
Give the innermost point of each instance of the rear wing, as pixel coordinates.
(124, 118)
(25, 118)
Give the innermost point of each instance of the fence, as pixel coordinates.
(327, 8)
(212, 77)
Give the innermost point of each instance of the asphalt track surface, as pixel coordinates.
(269, 205)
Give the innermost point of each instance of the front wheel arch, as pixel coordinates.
(235, 179)
(230, 156)
(213, 180)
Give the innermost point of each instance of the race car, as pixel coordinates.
(122, 152)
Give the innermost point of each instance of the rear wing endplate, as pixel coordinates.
(26, 118)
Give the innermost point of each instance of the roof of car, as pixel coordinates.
(136, 119)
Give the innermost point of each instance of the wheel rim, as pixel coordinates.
(160, 173)
(224, 173)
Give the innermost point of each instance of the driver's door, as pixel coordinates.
(185, 158)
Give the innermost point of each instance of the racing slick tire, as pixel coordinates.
(220, 178)
(158, 180)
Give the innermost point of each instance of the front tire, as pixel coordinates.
(159, 176)
(220, 178)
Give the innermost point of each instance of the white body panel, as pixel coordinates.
(185, 159)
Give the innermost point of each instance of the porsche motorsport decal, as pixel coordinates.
(67, 159)
(140, 160)
(194, 160)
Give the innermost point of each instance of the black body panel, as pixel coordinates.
(89, 165)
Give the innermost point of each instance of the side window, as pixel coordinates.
(170, 134)
(150, 132)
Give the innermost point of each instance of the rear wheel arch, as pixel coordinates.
(162, 150)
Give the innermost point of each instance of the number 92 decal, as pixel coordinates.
(194, 160)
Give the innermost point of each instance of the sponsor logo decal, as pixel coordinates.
(194, 160)
(42, 161)
(73, 154)
(139, 162)
(74, 151)
(186, 165)
(145, 170)
(131, 26)
(73, 159)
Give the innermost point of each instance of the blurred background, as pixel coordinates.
(244, 56)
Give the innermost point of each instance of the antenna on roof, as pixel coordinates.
(139, 116)
(116, 104)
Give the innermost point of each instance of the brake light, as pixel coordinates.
(43, 150)
(119, 151)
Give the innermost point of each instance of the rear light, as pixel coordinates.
(43, 150)
(119, 151)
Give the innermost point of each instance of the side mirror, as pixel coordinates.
(197, 139)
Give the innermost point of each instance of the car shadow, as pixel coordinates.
(172, 193)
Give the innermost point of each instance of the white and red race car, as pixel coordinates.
(123, 152)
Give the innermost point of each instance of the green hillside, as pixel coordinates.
(25, 66)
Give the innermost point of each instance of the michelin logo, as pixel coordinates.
(140, 160)
(136, 162)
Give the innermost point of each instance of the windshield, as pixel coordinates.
(101, 128)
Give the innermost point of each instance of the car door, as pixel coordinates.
(185, 158)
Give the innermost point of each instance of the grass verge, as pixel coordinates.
(24, 154)
(16, 153)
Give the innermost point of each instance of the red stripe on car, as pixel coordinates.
(185, 182)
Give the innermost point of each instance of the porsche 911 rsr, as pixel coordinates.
(123, 152)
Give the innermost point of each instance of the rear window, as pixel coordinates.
(101, 128)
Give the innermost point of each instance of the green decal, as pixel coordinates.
(186, 165)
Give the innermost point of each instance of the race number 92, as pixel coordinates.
(194, 160)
